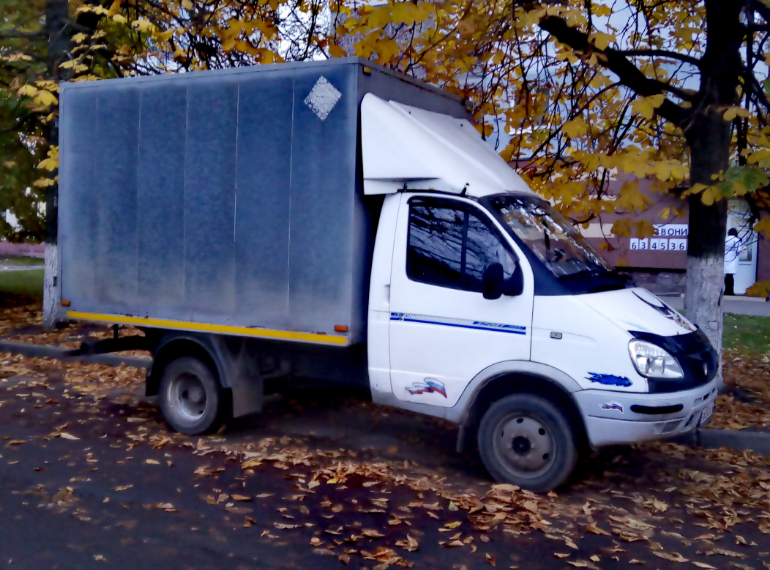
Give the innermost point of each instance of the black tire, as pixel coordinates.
(191, 398)
(527, 440)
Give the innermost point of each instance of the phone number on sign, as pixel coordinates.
(658, 244)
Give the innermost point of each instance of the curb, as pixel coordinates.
(756, 441)
(47, 351)
(725, 297)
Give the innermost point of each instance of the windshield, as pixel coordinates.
(549, 236)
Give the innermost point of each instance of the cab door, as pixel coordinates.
(443, 332)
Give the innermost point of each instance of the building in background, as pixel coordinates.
(660, 263)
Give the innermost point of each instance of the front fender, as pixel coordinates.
(460, 412)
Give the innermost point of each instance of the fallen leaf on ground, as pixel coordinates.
(372, 533)
(675, 557)
(596, 530)
(724, 552)
(65, 435)
(505, 487)
(409, 544)
(582, 564)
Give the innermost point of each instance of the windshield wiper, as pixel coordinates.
(587, 273)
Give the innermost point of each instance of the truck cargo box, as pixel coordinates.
(226, 201)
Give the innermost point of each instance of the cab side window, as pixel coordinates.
(483, 248)
(436, 235)
(449, 246)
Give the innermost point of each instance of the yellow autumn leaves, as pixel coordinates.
(557, 113)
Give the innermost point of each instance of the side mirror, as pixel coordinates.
(515, 285)
(493, 282)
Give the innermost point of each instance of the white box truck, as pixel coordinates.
(336, 221)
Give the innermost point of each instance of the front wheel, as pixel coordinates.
(191, 398)
(527, 440)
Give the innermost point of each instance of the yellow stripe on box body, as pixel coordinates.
(203, 327)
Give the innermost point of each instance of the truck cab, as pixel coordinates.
(489, 309)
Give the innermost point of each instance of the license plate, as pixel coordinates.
(706, 414)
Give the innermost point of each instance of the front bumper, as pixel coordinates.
(616, 418)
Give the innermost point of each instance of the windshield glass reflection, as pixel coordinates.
(549, 236)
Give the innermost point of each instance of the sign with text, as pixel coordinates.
(671, 230)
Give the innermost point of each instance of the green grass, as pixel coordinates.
(21, 261)
(26, 283)
(747, 333)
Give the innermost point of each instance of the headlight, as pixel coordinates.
(652, 361)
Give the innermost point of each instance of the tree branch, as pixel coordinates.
(661, 53)
(760, 7)
(754, 88)
(616, 62)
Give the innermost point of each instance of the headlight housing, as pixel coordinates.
(651, 361)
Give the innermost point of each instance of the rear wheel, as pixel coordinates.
(527, 440)
(191, 399)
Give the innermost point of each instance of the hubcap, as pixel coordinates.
(524, 446)
(187, 397)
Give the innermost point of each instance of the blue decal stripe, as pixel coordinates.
(459, 323)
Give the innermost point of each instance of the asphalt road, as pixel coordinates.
(92, 478)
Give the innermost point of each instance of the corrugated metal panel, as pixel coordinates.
(160, 191)
(209, 199)
(322, 196)
(263, 197)
(115, 149)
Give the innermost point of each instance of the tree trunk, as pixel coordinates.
(57, 28)
(709, 142)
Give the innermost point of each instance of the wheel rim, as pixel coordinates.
(187, 398)
(524, 446)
